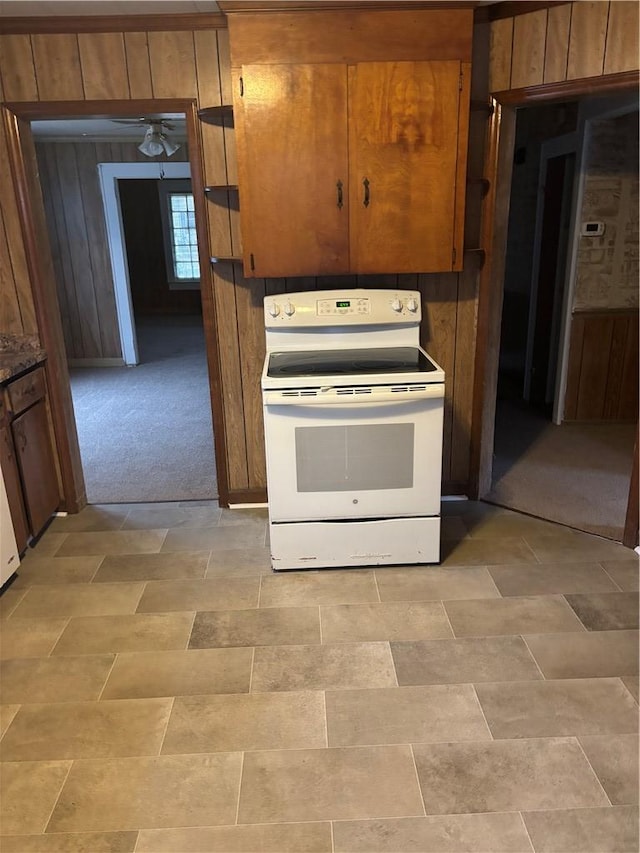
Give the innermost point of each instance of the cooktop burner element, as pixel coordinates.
(357, 362)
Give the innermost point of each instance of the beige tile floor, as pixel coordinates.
(162, 690)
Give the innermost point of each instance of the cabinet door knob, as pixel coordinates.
(366, 198)
(339, 188)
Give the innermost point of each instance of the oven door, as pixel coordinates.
(344, 453)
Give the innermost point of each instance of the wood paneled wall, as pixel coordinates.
(565, 42)
(195, 64)
(602, 378)
(77, 233)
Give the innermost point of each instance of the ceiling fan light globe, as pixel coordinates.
(151, 147)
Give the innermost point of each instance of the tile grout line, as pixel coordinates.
(533, 657)
(111, 668)
(53, 648)
(484, 716)
(57, 799)
(613, 580)
(447, 617)
(92, 578)
(333, 841)
(242, 754)
(415, 770)
(166, 728)
(526, 829)
(253, 658)
(375, 581)
(591, 767)
(326, 719)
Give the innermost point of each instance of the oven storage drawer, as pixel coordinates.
(335, 544)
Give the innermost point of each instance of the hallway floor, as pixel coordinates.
(163, 690)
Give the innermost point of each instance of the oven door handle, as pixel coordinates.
(333, 397)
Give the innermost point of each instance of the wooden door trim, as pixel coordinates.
(497, 169)
(632, 522)
(27, 25)
(16, 117)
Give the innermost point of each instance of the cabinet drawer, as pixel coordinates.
(27, 390)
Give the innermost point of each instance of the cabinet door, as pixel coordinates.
(14, 488)
(403, 143)
(37, 465)
(291, 129)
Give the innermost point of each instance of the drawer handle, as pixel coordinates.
(339, 187)
(366, 199)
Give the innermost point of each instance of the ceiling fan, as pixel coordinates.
(155, 140)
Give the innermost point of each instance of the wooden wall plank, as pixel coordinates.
(224, 60)
(529, 42)
(75, 221)
(173, 65)
(10, 319)
(218, 220)
(138, 65)
(628, 399)
(17, 69)
(500, 44)
(439, 294)
(573, 367)
(587, 39)
(621, 50)
(57, 63)
(558, 28)
(594, 369)
(224, 290)
(51, 205)
(616, 364)
(104, 66)
(249, 299)
(100, 271)
(466, 325)
(207, 68)
(16, 248)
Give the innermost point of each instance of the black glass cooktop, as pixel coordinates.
(349, 361)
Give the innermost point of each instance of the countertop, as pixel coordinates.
(17, 354)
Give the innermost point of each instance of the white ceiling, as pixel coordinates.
(105, 130)
(26, 8)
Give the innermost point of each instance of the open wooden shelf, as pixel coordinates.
(219, 187)
(219, 259)
(216, 115)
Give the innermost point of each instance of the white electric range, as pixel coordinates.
(353, 415)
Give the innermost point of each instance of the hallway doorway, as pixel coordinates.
(548, 461)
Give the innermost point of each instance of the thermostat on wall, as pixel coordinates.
(592, 229)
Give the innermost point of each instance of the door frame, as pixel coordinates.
(17, 117)
(550, 149)
(498, 164)
(109, 175)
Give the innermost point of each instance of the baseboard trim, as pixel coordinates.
(95, 362)
(247, 496)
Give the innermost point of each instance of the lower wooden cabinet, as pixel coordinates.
(27, 455)
(13, 486)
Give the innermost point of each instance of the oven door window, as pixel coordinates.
(354, 457)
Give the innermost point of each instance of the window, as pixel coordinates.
(179, 224)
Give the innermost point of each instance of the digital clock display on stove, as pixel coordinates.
(345, 303)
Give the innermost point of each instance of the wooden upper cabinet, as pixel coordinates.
(293, 169)
(403, 146)
(351, 131)
(350, 169)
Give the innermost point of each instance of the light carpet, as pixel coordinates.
(573, 474)
(145, 432)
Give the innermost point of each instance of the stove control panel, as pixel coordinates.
(355, 306)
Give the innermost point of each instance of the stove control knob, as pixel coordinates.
(412, 305)
(396, 305)
(289, 309)
(274, 309)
